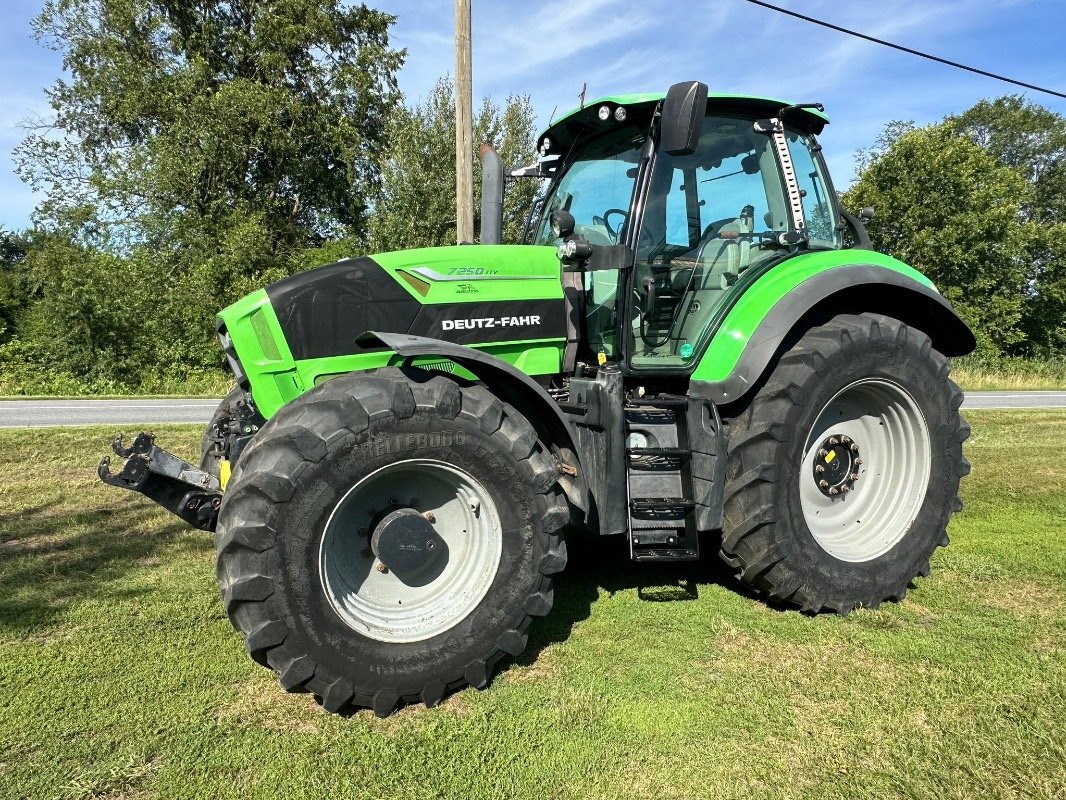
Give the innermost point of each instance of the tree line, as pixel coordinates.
(196, 152)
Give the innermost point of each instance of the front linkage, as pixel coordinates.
(175, 484)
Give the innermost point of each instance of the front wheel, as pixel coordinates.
(844, 468)
(387, 538)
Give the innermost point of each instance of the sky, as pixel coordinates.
(548, 49)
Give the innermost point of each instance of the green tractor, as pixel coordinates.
(694, 337)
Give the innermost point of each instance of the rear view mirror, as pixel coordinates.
(682, 118)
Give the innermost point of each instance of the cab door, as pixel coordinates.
(709, 218)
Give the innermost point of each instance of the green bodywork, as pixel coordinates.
(511, 272)
(754, 303)
(467, 274)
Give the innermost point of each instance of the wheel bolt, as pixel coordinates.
(845, 489)
(382, 568)
(430, 517)
(858, 462)
(833, 440)
(823, 452)
(845, 440)
(823, 484)
(854, 448)
(854, 476)
(819, 468)
(834, 490)
(394, 501)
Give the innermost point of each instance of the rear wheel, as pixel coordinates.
(387, 538)
(844, 469)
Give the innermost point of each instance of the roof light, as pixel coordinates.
(545, 146)
(604, 113)
(620, 114)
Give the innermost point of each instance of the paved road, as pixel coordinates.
(129, 415)
(1015, 400)
(126, 414)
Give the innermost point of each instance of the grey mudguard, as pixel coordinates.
(857, 288)
(494, 372)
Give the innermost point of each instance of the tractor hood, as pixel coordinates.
(312, 323)
(467, 295)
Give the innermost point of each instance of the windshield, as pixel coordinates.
(597, 188)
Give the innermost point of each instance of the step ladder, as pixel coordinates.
(658, 480)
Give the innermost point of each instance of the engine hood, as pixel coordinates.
(467, 295)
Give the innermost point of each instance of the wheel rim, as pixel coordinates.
(861, 514)
(453, 576)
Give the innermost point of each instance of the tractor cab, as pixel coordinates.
(678, 203)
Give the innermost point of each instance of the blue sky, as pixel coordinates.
(547, 49)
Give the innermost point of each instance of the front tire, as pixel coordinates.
(844, 469)
(356, 473)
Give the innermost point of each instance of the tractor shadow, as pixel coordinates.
(597, 564)
(52, 556)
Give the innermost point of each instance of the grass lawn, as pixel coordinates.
(974, 373)
(121, 678)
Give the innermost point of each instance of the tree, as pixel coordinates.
(416, 207)
(195, 151)
(1031, 140)
(14, 294)
(947, 207)
(184, 116)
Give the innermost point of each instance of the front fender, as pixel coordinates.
(510, 384)
(839, 281)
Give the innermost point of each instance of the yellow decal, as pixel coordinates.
(602, 358)
(223, 472)
(829, 458)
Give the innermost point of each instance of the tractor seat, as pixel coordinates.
(725, 253)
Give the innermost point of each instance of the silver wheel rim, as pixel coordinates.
(887, 432)
(376, 602)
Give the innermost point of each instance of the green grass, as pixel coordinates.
(121, 678)
(981, 373)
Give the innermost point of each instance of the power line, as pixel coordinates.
(913, 52)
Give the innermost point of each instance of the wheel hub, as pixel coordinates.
(400, 574)
(406, 543)
(836, 465)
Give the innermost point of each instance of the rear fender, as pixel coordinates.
(761, 320)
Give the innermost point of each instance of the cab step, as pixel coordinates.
(677, 504)
(661, 525)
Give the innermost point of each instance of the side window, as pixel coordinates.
(732, 188)
(818, 211)
(709, 217)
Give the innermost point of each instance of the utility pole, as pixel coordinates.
(464, 126)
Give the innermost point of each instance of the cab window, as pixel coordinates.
(709, 217)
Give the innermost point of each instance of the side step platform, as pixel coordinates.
(659, 486)
(175, 484)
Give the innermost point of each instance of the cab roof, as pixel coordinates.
(639, 108)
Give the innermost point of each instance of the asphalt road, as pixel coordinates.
(131, 415)
(125, 414)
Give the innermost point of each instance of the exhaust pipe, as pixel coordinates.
(491, 195)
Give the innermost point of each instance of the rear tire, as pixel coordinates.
(844, 469)
(297, 556)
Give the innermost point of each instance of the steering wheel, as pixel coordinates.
(606, 214)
